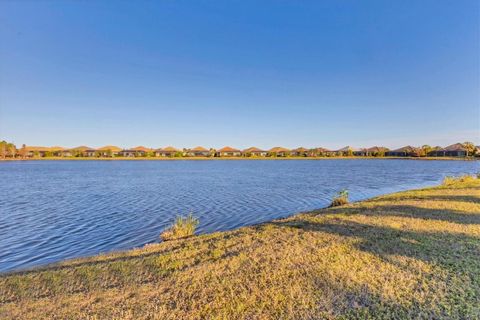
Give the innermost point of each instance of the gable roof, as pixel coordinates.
(36, 148)
(81, 148)
(455, 147)
(253, 149)
(168, 149)
(346, 149)
(228, 149)
(141, 148)
(405, 149)
(199, 149)
(279, 149)
(377, 149)
(111, 148)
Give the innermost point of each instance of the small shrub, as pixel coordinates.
(340, 199)
(447, 181)
(183, 227)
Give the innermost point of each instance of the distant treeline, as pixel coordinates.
(9, 150)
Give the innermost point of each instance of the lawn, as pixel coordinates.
(413, 254)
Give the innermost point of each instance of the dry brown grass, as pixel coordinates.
(413, 254)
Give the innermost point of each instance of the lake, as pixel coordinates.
(54, 210)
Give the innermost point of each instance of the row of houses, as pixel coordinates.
(455, 150)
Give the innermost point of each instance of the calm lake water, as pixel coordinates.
(53, 210)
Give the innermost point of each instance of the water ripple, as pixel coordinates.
(50, 211)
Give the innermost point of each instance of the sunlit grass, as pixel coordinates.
(462, 179)
(412, 254)
(183, 227)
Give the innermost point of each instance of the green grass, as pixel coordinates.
(413, 254)
(183, 227)
(340, 199)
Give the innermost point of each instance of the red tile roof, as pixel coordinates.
(141, 148)
(279, 149)
(81, 148)
(253, 149)
(301, 149)
(228, 149)
(168, 149)
(111, 148)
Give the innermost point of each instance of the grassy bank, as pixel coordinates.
(412, 254)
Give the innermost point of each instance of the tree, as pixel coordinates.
(426, 149)
(11, 150)
(23, 151)
(3, 149)
(469, 147)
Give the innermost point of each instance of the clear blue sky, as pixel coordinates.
(239, 73)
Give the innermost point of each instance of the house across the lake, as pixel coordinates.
(139, 151)
(57, 151)
(79, 151)
(228, 152)
(254, 152)
(90, 153)
(454, 150)
(66, 153)
(407, 151)
(166, 152)
(278, 152)
(198, 152)
(109, 151)
(376, 151)
(299, 152)
(33, 151)
(318, 152)
(128, 153)
(345, 151)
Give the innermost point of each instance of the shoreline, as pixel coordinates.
(387, 255)
(319, 210)
(239, 158)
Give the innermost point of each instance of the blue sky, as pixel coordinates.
(240, 73)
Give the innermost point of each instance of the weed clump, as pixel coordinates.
(183, 227)
(340, 199)
(448, 181)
